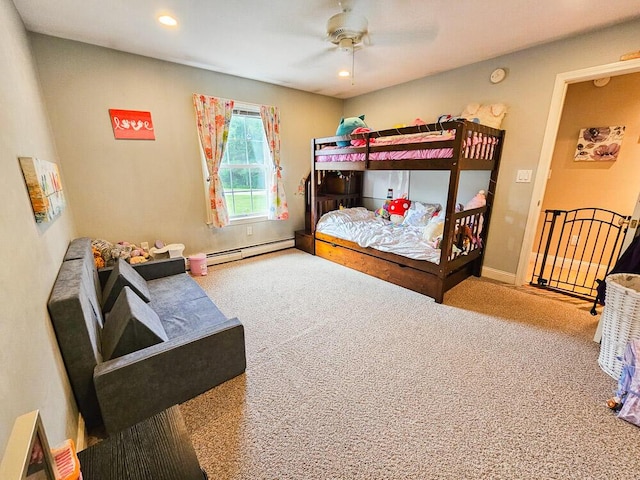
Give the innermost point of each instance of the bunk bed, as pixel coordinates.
(336, 184)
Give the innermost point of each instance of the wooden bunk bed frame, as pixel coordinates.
(475, 147)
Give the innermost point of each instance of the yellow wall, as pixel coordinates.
(609, 185)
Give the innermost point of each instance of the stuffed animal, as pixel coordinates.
(479, 200)
(448, 118)
(490, 115)
(348, 125)
(383, 211)
(97, 257)
(107, 254)
(464, 237)
(397, 209)
(433, 230)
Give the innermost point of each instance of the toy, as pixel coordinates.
(464, 237)
(348, 125)
(433, 230)
(105, 253)
(448, 118)
(383, 211)
(479, 200)
(466, 231)
(490, 115)
(97, 257)
(360, 142)
(397, 209)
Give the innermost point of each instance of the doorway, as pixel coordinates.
(549, 143)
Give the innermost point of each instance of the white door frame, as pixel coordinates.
(548, 146)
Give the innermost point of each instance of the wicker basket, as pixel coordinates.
(620, 320)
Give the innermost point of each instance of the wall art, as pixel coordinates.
(132, 125)
(599, 144)
(28, 455)
(45, 188)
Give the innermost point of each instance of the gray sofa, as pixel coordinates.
(188, 345)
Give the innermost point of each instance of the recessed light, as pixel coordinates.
(344, 73)
(168, 20)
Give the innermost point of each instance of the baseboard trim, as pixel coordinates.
(216, 258)
(499, 275)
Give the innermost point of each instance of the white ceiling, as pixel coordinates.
(284, 41)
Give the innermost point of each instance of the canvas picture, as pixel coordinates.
(599, 144)
(45, 188)
(132, 125)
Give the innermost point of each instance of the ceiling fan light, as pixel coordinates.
(167, 20)
(346, 45)
(344, 73)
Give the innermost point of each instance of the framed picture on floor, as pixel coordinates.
(28, 456)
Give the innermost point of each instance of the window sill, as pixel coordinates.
(245, 220)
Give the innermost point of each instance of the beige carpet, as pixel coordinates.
(350, 377)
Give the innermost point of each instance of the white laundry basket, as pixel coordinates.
(620, 320)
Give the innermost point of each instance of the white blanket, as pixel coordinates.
(361, 226)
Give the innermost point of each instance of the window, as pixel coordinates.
(246, 166)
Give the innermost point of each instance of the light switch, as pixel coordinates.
(524, 176)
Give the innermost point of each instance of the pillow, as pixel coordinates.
(490, 115)
(420, 213)
(123, 275)
(130, 326)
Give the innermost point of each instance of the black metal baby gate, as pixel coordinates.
(576, 248)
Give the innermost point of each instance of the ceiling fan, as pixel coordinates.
(347, 30)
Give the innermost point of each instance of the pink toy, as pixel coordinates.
(359, 142)
(479, 200)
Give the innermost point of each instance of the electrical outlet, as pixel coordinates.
(144, 245)
(249, 230)
(574, 240)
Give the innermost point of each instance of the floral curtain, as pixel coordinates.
(278, 209)
(213, 116)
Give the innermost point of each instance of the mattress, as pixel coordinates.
(361, 226)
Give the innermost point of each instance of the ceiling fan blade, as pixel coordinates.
(316, 57)
(401, 38)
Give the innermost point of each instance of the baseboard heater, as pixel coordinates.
(232, 255)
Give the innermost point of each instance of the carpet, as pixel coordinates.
(350, 377)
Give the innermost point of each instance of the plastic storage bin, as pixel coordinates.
(198, 264)
(620, 320)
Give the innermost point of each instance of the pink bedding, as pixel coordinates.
(391, 155)
(396, 154)
(476, 145)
